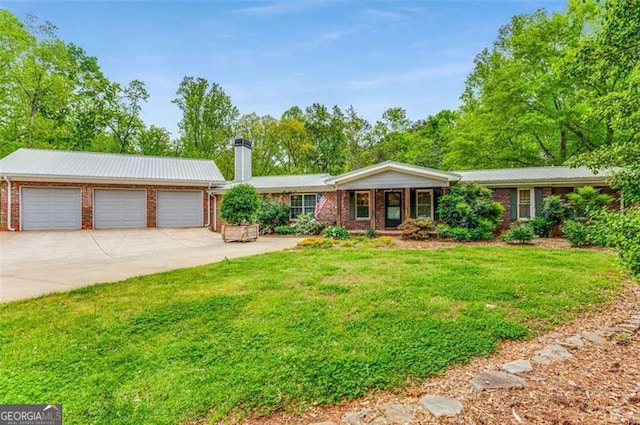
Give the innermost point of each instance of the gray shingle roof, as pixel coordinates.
(40, 163)
(556, 174)
(300, 182)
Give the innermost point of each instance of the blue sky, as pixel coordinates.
(271, 55)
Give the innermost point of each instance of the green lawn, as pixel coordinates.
(283, 330)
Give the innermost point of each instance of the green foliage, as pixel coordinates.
(240, 204)
(586, 200)
(576, 233)
(519, 232)
(619, 231)
(370, 232)
(470, 206)
(460, 234)
(272, 214)
(541, 226)
(281, 331)
(335, 232)
(555, 210)
(307, 225)
(417, 229)
(285, 230)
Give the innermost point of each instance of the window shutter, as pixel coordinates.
(352, 206)
(513, 202)
(436, 201)
(412, 204)
(537, 193)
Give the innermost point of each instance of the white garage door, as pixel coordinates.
(114, 209)
(51, 208)
(179, 208)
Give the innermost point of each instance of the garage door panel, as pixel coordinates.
(51, 208)
(179, 208)
(117, 209)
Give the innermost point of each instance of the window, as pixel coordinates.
(362, 205)
(302, 204)
(424, 204)
(525, 198)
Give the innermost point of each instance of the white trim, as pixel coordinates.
(532, 202)
(355, 215)
(430, 191)
(393, 166)
(303, 206)
(47, 187)
(202, 193)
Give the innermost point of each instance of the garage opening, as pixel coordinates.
(118, 209)
(179, 208)
(49, 208)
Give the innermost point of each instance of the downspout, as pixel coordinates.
(215, 212)
(11, 229)
(208, 206)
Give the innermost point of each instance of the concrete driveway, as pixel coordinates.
(36, 263)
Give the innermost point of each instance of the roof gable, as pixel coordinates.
(395, 167)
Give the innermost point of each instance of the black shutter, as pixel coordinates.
(412, 203)
(537, 193)
(352, 206)
(437, 193)
(513, 202)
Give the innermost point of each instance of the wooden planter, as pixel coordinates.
(239, 233)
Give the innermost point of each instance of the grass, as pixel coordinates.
(283, 330)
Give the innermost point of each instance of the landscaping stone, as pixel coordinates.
(573, 342)
(517, 367)
(628, 326)
(397, 413)
(440, 406)
(361, 417)
(496, 380)
(594, 337)
(551, 354)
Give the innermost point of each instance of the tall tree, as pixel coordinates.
(154, 141)
(125, 123)
(325, 129)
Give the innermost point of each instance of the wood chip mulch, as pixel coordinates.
(599, 385)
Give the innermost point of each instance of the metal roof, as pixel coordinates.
(530, 175)
(73, 165)
(287, 183)
(397, 166)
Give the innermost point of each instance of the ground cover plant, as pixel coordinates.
(313, 326)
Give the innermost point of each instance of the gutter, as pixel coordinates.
(9, 195)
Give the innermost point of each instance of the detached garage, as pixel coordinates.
(62, 190)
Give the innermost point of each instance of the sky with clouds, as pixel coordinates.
(271, 55)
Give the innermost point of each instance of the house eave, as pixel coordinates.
(41, 178)
(350, 177)
(540, 183)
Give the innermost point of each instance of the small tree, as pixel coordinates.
(240, 205)
(272, 214)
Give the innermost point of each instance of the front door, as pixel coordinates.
(392, 209)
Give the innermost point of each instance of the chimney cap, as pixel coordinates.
(243, 142)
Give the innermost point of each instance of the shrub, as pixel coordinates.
(576, 233)
(620, 231)
(460, 234)
(271, 215)
(586, 200)
(315, 242)
(307, 225)
(417, 229)
(555, 211)
(335, 232)
(469, 206)
(519, 232)
(541, 226)
(240, 205)
(370, 232)
(285, 230)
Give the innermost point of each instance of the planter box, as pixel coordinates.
(239, 233)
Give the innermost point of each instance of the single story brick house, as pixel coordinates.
(46, 189)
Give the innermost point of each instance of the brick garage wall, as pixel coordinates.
(87, 200)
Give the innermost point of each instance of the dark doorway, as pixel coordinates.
(392, 209)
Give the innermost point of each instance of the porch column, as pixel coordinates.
(407, 204)
(372, 207)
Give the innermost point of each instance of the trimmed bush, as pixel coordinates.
(555, 211)
(541, 226)
(417, 229)
(519, 232)
(272, 214)
(285, 230)
(240, 205)
(460, 234)
(576, 233)
(335, 232)
(307, 225)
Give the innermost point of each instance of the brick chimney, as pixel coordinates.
(242, 160)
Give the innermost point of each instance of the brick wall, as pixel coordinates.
(87, 200)
(504, 197)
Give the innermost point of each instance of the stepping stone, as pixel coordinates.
(440, 406)
(594, 337)
(573, 342)
(495, 380)
(397, 413)
(361, 417)
(628, 326)
(517, 367)
(551, 354)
